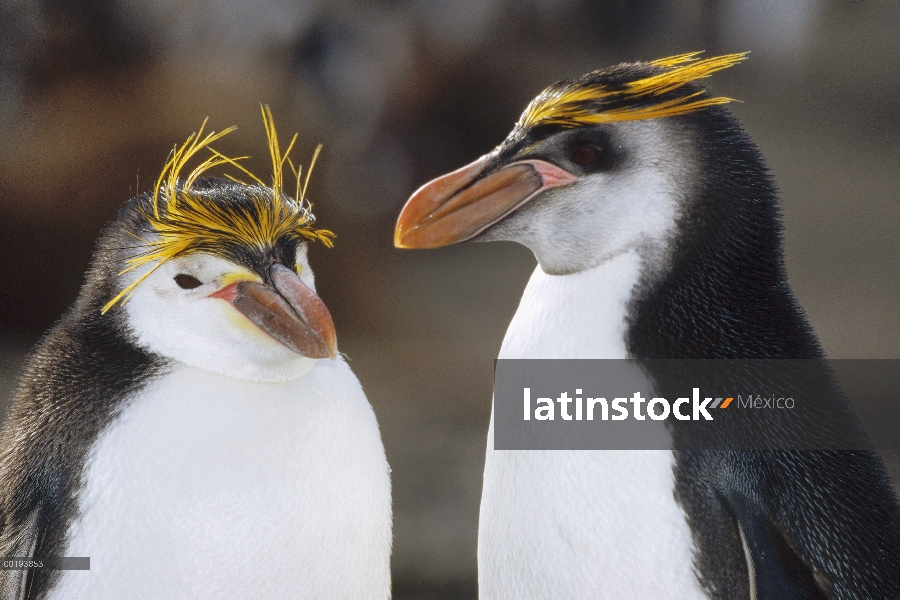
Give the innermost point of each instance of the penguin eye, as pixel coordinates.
(187, 282)
(585, 155)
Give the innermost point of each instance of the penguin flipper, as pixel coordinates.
(15, 584)
(774, 569)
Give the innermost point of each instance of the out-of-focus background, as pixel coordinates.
(94, 93)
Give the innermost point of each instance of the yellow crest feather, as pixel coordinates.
(576, 105)
(184, 220)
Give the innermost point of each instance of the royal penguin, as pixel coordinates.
(188, 424)
(655, 225)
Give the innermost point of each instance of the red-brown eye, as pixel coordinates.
(585, 155)
(187, 282)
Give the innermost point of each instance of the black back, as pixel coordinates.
(73, 385)
(817, 524)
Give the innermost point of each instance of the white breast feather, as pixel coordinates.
(580, 524)
(212, 487)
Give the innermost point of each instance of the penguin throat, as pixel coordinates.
(580, 315)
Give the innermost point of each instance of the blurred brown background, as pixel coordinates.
(94, 93)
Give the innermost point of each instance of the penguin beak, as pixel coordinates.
(287, 310)
(460, 205)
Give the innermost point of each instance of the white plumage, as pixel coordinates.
(246, 470)
(211, 487)
(580, 524)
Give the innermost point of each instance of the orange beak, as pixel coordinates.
(460, 205)
(287, 310)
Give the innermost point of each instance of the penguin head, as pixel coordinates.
(213, 273)
(591, 169)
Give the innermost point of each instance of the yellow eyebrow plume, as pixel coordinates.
(185, 220)
(582, 103)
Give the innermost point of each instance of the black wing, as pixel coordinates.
(70, 390)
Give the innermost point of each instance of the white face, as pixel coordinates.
(189, 326)
(634, 205)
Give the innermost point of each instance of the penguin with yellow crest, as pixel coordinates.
(656, 229)
(188, 424)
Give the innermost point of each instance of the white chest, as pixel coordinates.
(580, 524)
(211, 487)
(574, 316)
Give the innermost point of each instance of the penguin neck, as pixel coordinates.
(719, 292)
(579, 315)
(724, 291)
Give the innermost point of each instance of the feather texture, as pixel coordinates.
(183, 220)
(586, 101)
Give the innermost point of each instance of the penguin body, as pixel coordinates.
(655, 225)
(208, 487)
(188, 423)
(532, 536)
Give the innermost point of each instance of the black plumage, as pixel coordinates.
(72, 386)
(826, 523)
